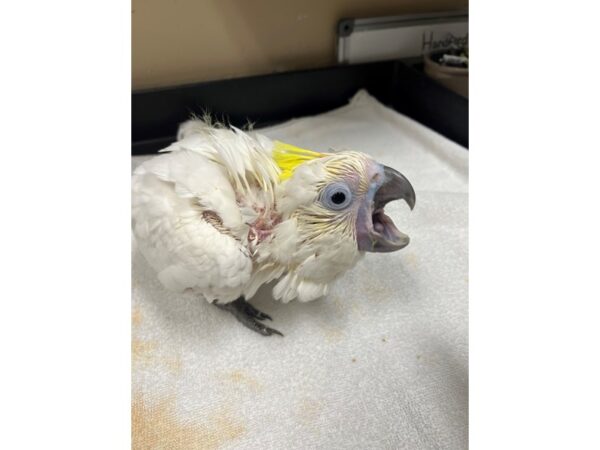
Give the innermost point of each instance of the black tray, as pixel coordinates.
(269, 99)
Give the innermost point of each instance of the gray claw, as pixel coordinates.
(264, 330)
(252, 311)
(249, 316)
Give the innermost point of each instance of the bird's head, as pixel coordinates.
(340, 197)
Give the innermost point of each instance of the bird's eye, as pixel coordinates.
(336, 196)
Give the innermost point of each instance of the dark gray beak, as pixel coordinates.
(395, 187)
(376, 232)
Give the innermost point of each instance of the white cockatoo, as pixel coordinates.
(222, 212)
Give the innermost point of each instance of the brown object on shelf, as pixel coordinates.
(454, 78)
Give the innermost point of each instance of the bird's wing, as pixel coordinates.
(187, 224)
(247, 159)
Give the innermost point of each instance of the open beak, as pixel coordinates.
(376, 232)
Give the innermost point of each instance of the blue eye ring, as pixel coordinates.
(336, 196)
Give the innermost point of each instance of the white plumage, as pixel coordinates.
(199, 210)
(221, 214)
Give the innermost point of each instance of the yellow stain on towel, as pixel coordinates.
(240, 378)
(142, 352)
(156, 425)
(146, 352)
(173, 363)
(136, 317)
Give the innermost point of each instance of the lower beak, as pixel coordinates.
(376, 232)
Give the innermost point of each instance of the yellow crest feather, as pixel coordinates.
(288, 157)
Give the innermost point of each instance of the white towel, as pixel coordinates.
(380, 363)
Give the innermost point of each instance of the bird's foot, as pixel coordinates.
(249, 316)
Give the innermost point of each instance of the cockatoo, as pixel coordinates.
(221, 212)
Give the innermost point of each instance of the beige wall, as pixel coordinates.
(183, 41)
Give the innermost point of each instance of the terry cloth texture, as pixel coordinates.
(380, 363)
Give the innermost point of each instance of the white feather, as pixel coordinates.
(231, 176)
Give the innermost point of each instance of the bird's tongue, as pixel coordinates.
(378, 222)
(385, 226)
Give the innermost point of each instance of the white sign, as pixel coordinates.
(405, 40)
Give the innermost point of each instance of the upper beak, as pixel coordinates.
(376, 232)
(395, 187)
